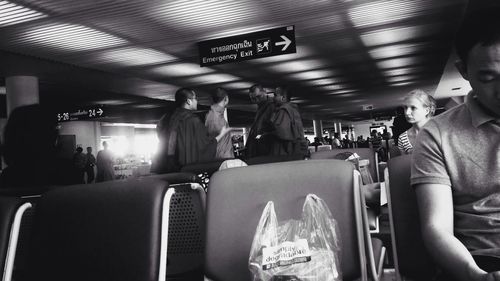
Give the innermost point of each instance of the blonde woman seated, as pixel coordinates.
(419, 108)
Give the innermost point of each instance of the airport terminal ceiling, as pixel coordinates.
(133, 55)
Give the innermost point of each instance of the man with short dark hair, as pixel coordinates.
(184, 139)
(258, 143)
(456, 162)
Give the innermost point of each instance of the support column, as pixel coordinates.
(338, 128)
(21, 90)
(318, 128)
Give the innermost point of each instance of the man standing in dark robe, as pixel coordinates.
(184, 139)
(259, 142)
(288, 131)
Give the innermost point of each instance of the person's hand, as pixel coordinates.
(226, 130)
(258, 137)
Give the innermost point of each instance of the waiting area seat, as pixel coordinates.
(106, 231)
(410, 257)
(364, 153)
(238, 196)
(13, 211)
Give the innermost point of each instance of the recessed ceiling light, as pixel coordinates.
(199, 15)
(213, 78)
(297, 66)
(11, 14)
(181, 69)
(70, 37)
(237, 85)
(384, 12)
(397, 35)
(310, 75)
(135, 56)
(336, 87)
(395, 50)
(402, 84)
(395, 63)
(325, 81)
(399, 71)
(402, 78)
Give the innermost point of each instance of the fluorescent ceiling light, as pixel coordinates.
(395, 63)
(341, 92)
(384, 12)
(135, 56)
(312, 106)
(202, 14)
(237, 85)
(335, 87)
(399, 71)
(213, 78)
(237, 31)
(299, 100)
(395, 51)
(181, 69)
(297, 66)
(70, 37)
(310, 75)
(11, 14)
(401, 78)
(322, 82)
(396, 35)
(402, 84)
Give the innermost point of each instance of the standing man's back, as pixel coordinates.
(258, 143)
(288, 131)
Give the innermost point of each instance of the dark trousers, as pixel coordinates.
(90, 174)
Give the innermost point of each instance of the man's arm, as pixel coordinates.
(435, 204)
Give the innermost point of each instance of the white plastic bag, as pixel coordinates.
(305, 250)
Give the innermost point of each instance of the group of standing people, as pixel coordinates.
(277, 129)
(85, 163)
(184, 139)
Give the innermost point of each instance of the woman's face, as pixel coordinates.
(415, 110)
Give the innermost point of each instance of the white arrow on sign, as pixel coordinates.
(100, 112)
(286, 42)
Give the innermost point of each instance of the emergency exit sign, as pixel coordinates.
(260, 44)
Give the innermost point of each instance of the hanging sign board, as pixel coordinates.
(260, 44)
(81, 114)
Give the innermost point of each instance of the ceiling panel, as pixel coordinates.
(349, 53)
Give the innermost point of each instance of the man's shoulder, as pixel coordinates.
(449, 119)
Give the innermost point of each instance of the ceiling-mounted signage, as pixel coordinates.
(260, 44)
(81, 114)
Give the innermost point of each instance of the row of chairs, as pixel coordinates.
(155, 228)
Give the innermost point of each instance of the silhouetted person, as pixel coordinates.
(89, 165)
(29, 148)
(79, 162)
(104, 162)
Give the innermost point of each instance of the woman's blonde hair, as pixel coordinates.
(426, 99)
